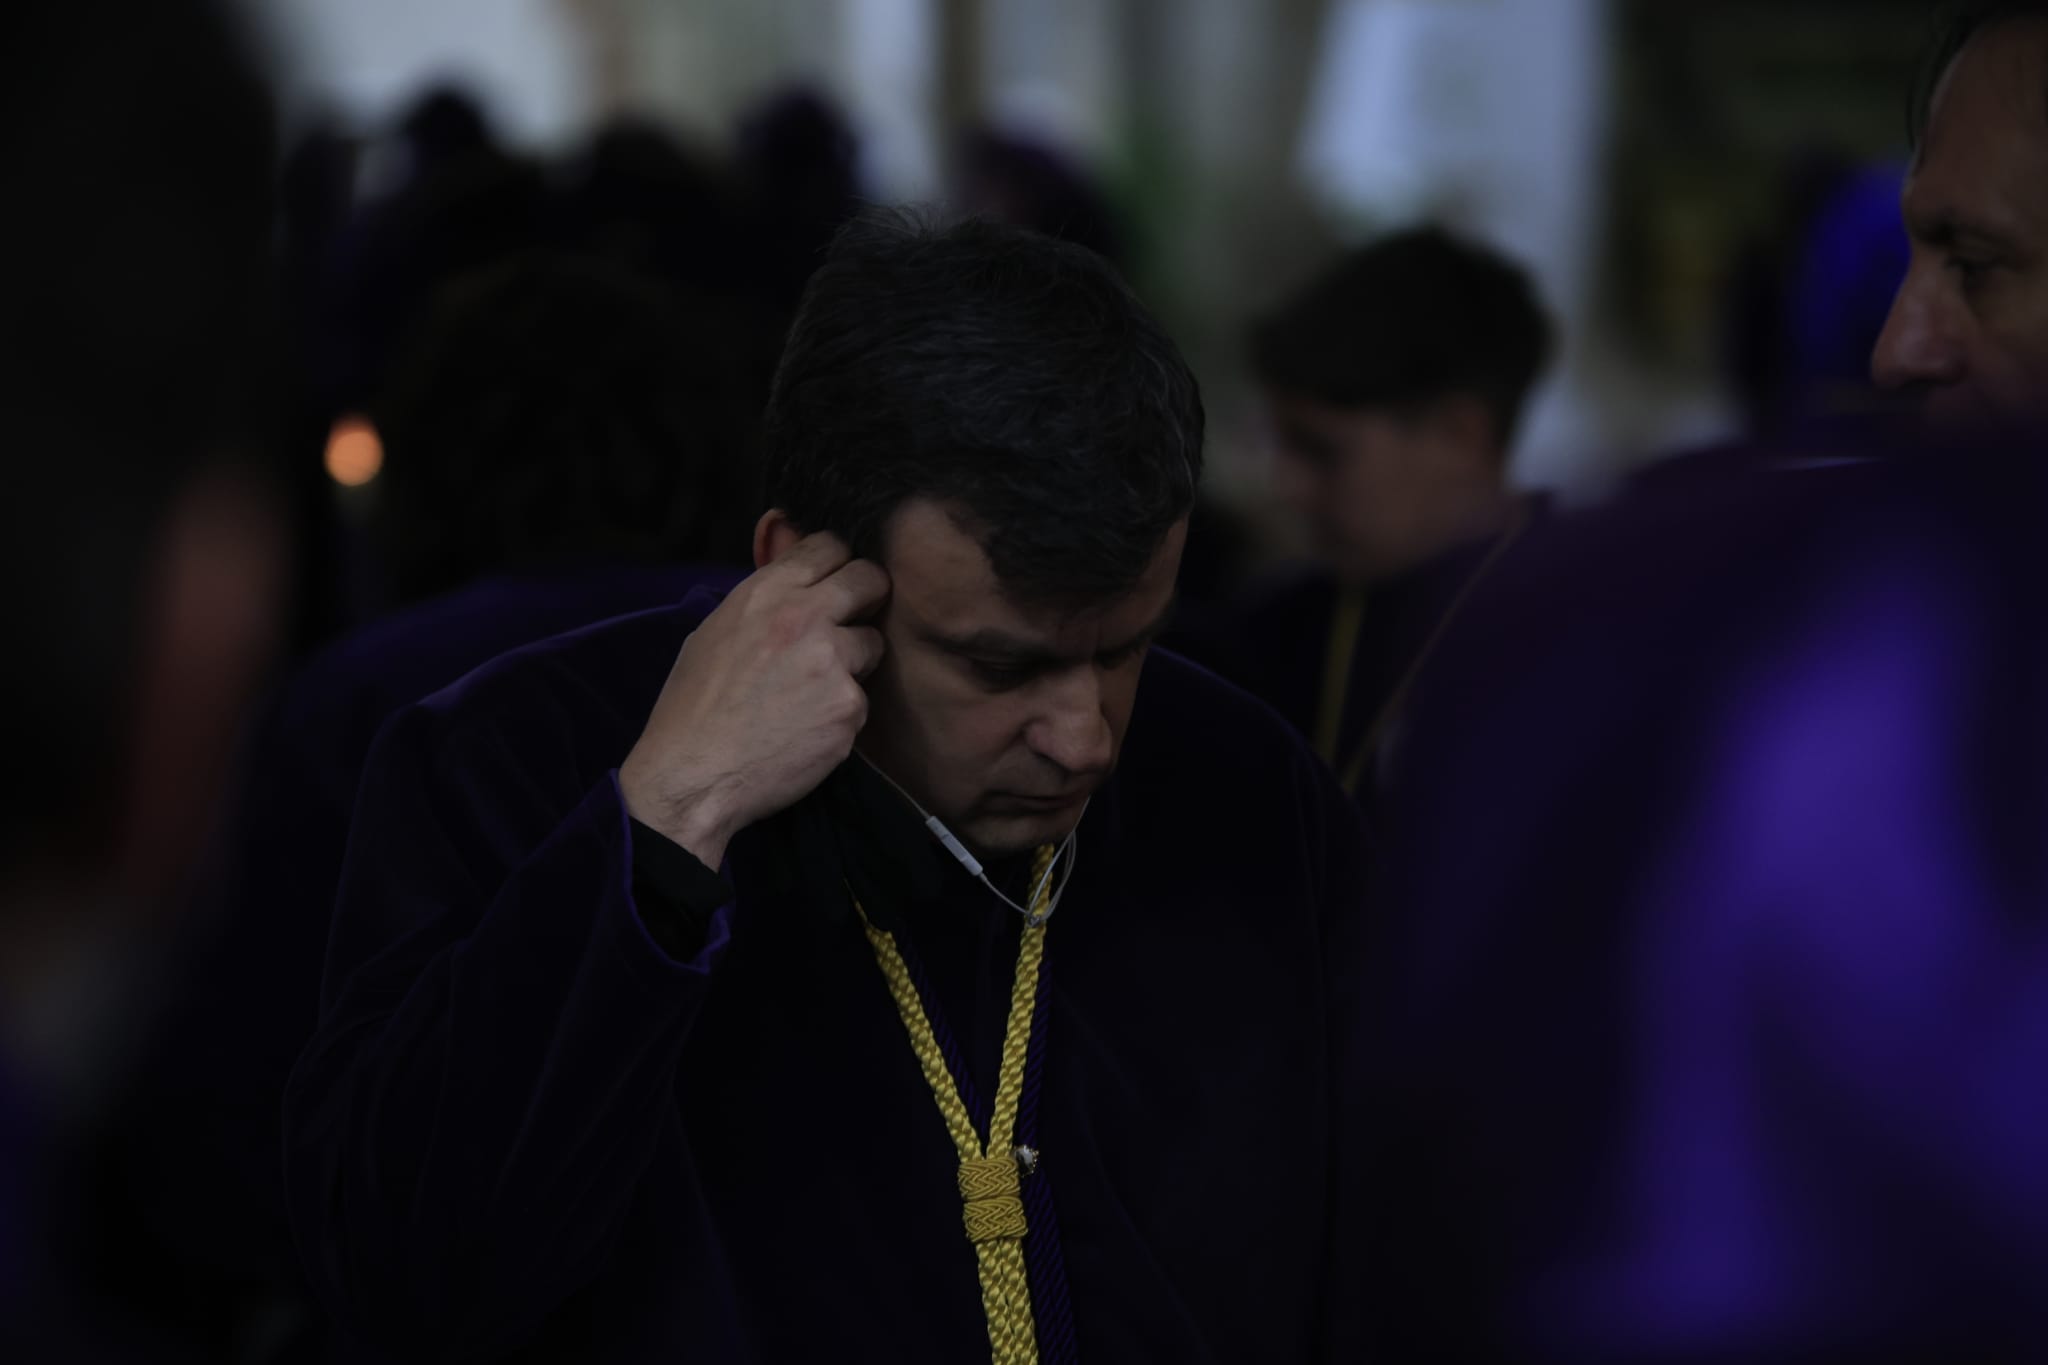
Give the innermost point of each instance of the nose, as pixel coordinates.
(1074, 731)
(1921, 345)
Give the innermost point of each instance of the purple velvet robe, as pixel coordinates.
(524, 1131)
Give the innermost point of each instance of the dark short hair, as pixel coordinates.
(1406, 321)
(1013, 378)
(556, 409)
(1954, 25)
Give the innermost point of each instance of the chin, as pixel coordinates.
(1004, 836)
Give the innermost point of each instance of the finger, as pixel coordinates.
(855, 589)
(860, 649)
(811, 560)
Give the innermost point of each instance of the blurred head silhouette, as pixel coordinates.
(798, 167)
(1968, 332)
(636, 196)
(143, 554)
(1395, 381)
(1017, 180)
(445, 125)
(457, 203)
(553, 411)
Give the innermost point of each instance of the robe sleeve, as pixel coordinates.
(498, 1043)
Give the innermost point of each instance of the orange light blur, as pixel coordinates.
(354, 453)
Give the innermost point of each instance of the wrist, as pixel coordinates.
(702, 828)
(693, 817)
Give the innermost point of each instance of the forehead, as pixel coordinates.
(941, 579)
(1984, 159)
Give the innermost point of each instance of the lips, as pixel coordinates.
(1040, 802)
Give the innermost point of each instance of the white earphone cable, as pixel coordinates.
(1069, 853)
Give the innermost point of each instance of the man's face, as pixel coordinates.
(1379, 491)
(1002, 718)
(1968, 333)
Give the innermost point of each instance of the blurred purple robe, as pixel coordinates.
(1716, 978)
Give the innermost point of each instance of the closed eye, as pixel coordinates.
(1969, 268)
(1118, 658)
(1001, 677)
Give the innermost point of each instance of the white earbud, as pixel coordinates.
(1069, 852)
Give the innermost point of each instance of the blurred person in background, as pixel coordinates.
(1716, 1000)
(145, 558)
(562, 445)
(555, 413)
(1714, 978)
(446, 200)
(662, 1020)
(1394, 382)
(445, 127)
(797, 162)
(1968, 335)
(638, 197)
(1018, 180)
(434, 197)
(316, 201)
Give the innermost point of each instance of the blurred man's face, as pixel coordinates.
(1968, 333)
(1002, 719)
(1382, 492)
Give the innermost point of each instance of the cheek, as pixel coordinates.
(960, 727)
(1119, 695)
(988, 728)
(973, 749)
(2012, 323)
(2024, 341)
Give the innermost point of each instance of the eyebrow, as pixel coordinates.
(1016, 651)
(1943, 229)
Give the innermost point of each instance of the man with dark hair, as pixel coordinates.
(1968, 333)
(1395, 381)
(712, 1004)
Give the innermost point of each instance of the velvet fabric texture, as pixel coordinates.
(525, 1132)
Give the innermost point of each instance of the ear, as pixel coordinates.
(774, 534)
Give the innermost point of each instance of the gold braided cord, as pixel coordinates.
(992, 1205)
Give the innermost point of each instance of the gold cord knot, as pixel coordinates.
(994, 1208)
(990, 1186)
